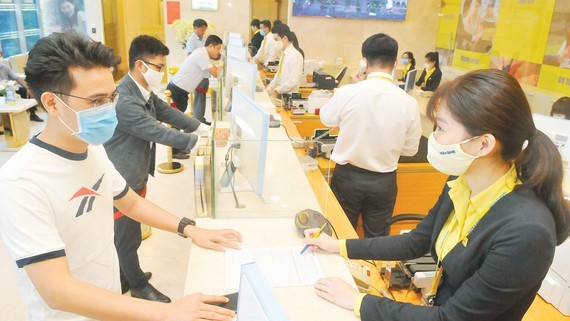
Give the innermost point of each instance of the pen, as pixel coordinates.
(315, 236)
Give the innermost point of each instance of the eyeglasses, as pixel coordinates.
(97, 101)
(160, 68)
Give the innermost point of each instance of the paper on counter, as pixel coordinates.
(282, 266)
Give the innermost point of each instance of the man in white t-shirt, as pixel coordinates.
(57, 196)
(194, 69)
(270, 50)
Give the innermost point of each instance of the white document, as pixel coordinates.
(282, 266)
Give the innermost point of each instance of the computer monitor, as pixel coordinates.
(238, 52)
(235, 39)
(257, 300)
(249, 126)
(240, 74)
(410, 80)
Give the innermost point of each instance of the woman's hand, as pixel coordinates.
(337, 291)
(323, 242)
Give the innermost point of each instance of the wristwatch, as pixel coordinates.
(183, 223)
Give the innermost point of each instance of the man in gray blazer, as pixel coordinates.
(132, 148)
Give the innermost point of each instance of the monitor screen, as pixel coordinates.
(256, 300)
(238, 52)
(250, 125)
(358, 9)
(241, 74)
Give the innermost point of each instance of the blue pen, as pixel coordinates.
(315, 236)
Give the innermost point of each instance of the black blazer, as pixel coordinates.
(404, 75)
(495, 278)
(433, 81)
(256, 40)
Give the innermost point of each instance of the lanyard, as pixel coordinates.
(381, 77)
(463, 239)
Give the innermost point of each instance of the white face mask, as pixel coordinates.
(427, 65)
(153, 78)
(449, 159)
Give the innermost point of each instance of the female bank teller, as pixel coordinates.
(495, 226)
(431, 76)
(409, 63)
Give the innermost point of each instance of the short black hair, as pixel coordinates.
(50, 60)
(255, 23)
(265, 23)
(277, 22)
(199, 23)
(561, 106)
(213, 40)
(282, 30)
(144, 47)
(380, 50)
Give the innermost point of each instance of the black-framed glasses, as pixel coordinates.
(97, 101)
(160, 68)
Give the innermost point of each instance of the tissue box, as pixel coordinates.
(318, 99)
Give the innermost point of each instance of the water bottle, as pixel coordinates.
(10, 95)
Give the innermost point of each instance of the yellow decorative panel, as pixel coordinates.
(448, 22)
(471, 60)
(555, 78)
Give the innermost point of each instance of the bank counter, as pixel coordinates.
(262, 207)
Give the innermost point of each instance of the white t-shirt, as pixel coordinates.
(193, 70)
(378, 123)
(54, 203)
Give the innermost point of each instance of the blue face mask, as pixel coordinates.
(262, 32)
(405, 61)
(96, 125)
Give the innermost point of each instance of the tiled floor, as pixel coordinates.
(164, 254)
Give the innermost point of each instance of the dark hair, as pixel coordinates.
(411, 59)
(213, 40)
(277, 22)
(503, 111)
(51, 58)
(199, 23)
(433, 56)
(144, 47)
(295, 41)
(282, 30)
(561, 106)
(380, 50)
(255, 23)
(266, 23)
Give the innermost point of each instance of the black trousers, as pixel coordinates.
(179, 96)
(127, 242)
(200, 100)
(371, 194)
(23, 92)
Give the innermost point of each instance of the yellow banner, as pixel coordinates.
(471, 60)
(448, 22)
(555, 78)
(522, 29)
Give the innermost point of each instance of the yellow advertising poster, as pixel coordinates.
(522, 29)
(448, 24)
(555, 78)
(471, 60)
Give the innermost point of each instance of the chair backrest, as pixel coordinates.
(18, 62)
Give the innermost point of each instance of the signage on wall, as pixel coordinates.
(359, 9)
(172, 11)
(209, 5)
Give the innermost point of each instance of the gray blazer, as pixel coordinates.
(495, 278)
(132, 148)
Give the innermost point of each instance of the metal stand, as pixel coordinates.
(170, 167)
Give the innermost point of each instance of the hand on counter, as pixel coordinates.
(337, 291)
(197, 307)
(323, 242)
(217, 240)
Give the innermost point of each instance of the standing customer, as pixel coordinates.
(378, 123)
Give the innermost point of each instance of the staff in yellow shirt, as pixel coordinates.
(409, 63)
(493, 230)
(431, 76)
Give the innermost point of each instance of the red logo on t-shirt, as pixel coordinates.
(88, 197)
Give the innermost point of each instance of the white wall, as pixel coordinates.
(94, 11)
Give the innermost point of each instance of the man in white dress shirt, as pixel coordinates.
(269, 50)
(196, 41)
(288, 77)
(378, 123)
